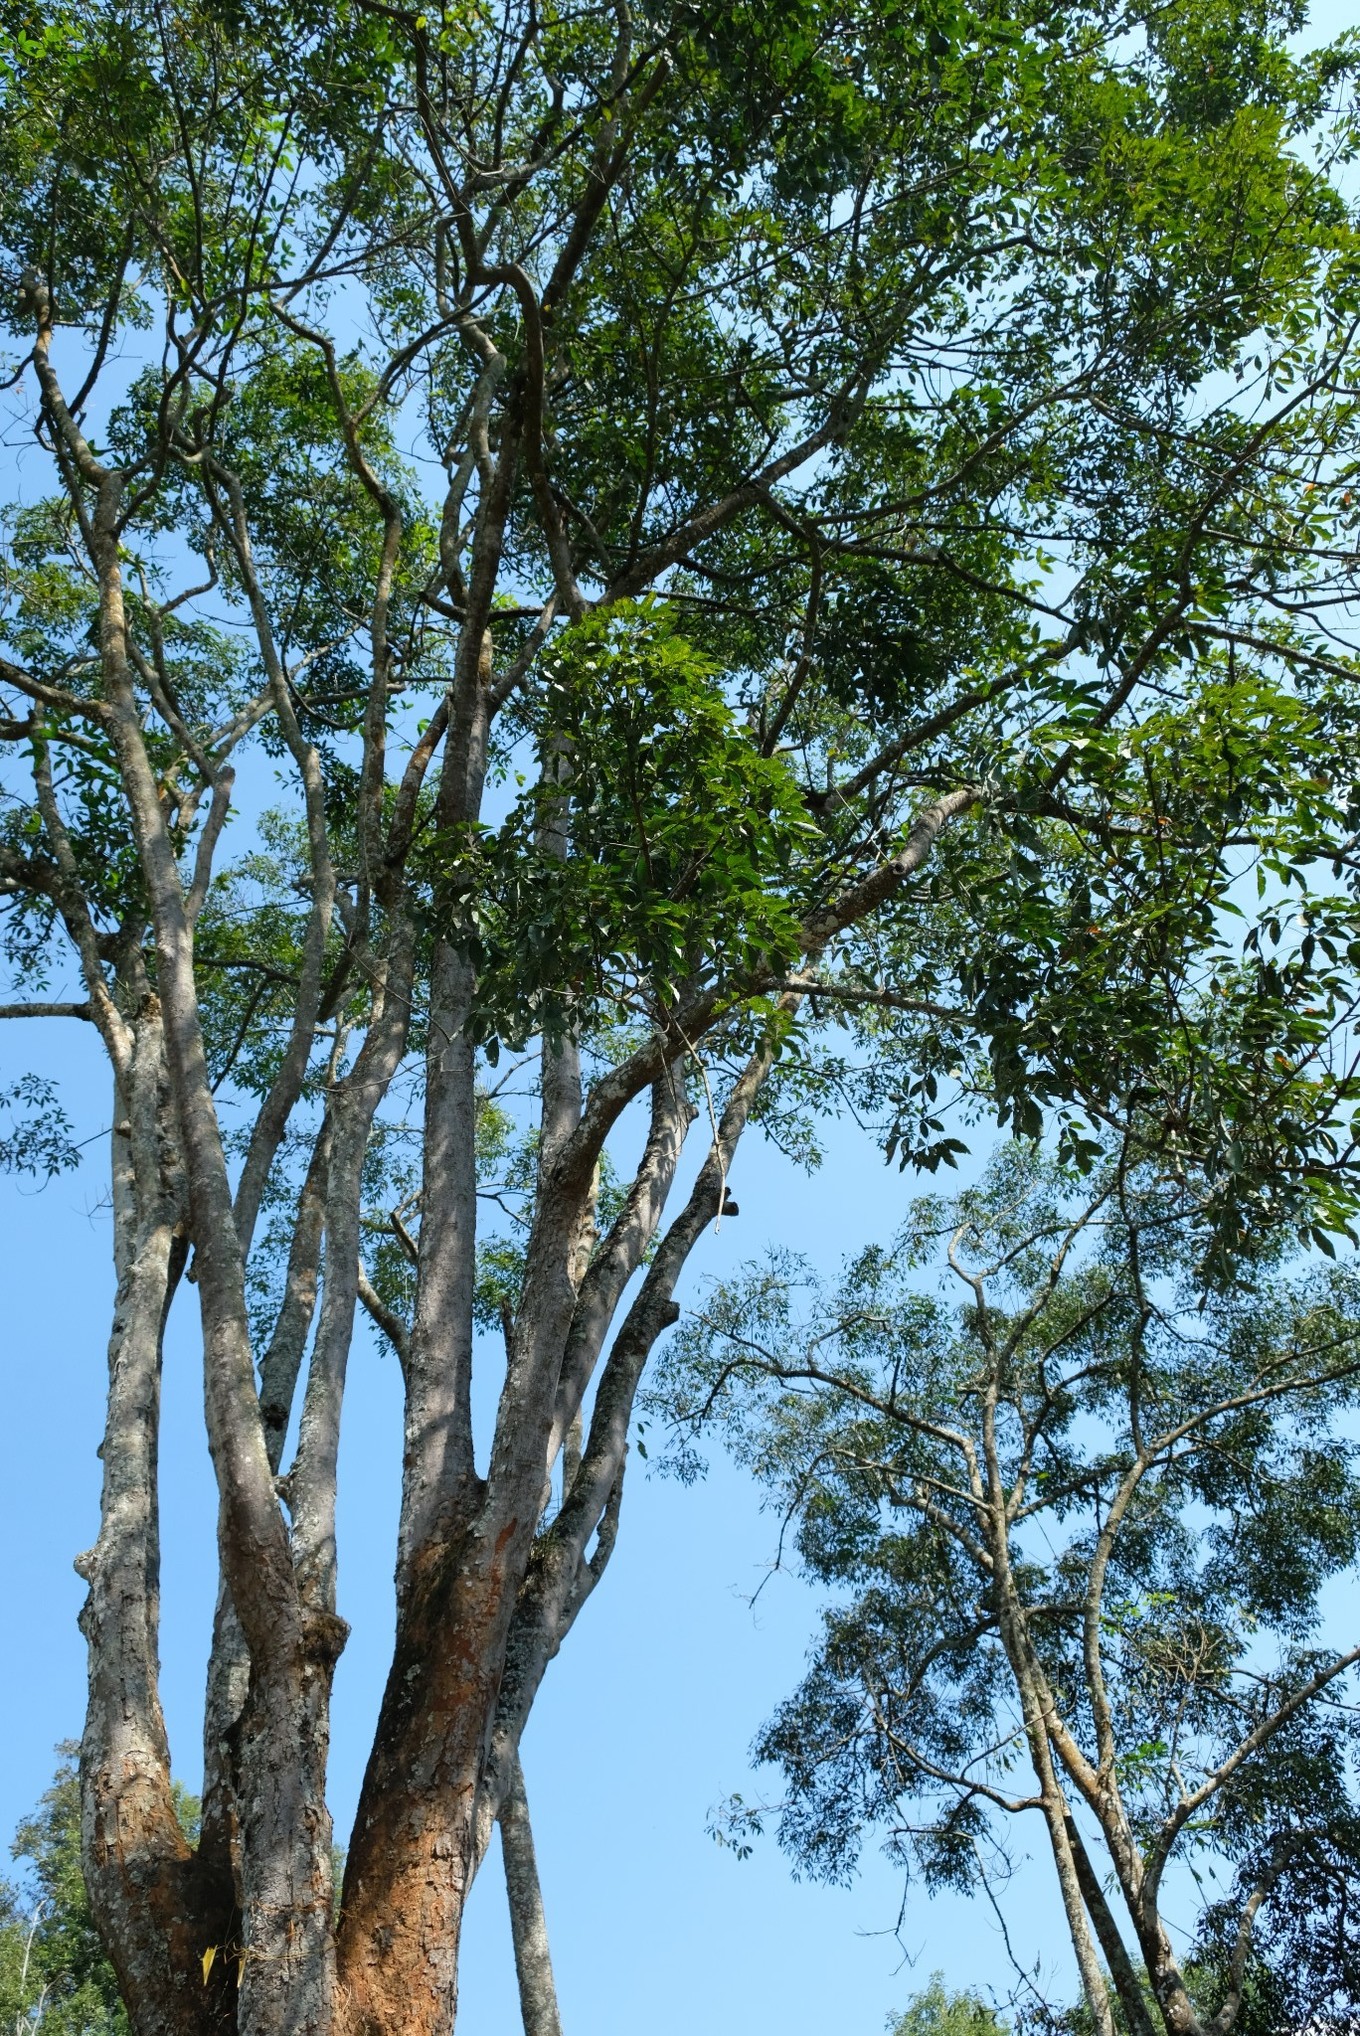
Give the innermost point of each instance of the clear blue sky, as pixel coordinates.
(646, 1717)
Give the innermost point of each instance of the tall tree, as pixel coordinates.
(1079, 1532)
(841, 527)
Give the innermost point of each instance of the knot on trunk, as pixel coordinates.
(324, 1635)
(34, 299)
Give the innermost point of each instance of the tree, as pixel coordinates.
(937, 2012)
(840, 528)
(1077, 1532)
(54, 1974)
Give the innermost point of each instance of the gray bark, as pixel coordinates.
(528, 1924)
(138, 1866)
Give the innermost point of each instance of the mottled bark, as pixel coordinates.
(228, 1682)
(285, 1962)
(1036, 1714)
(1112, 1945)
(285, 1966)
(153, 1905)
(414, 1849)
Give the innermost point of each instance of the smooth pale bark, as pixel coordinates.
(438, 1472)
(528, 1924)
(1037, 1712)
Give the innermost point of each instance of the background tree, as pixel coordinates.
(1079, 1532)
(935, 2011)
(54, 1973)
(840, 526)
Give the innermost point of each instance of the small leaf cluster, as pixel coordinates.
(54, 1973)
(685, 844)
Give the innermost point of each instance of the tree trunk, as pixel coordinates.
(417, 1836)
(147, 1891)
(528, 1924)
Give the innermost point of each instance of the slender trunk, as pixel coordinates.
(1057, 1816)
(528, 1925)
(438, 1472)
(1035, 1703)
(228, 1686)
(228, 1682)
(1129, 1988)
(146, 1892)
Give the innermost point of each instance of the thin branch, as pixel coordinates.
(85, 1010)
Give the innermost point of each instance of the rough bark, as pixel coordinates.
(147, 1892)
(229, 1662)
(414, 1849)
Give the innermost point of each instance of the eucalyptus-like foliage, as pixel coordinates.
(699, 564)
(935, 2011)
(1086, 1536)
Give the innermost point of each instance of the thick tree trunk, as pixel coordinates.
(285, 1966)
(417, 1837)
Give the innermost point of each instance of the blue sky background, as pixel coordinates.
(646, 1717)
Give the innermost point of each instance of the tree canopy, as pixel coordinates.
(935, 2011)
(709, 566)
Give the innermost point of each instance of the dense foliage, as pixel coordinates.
(708, 565)
(935, 2011)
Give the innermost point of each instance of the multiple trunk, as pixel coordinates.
(241, 1933)
(1067, 1774)
(513, 172)
(148, 1891)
